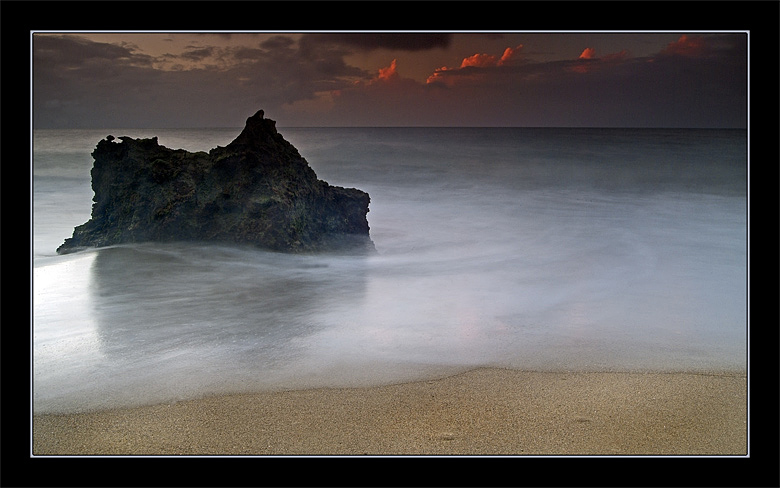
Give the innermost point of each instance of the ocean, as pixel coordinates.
(538, 249)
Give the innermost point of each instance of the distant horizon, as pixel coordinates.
(279, 128)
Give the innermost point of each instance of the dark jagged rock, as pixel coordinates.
(257, 190)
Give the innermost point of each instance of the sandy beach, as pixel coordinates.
(480, 412)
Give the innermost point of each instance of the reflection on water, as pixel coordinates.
(65, 335)
(173, 321)
(159, 300)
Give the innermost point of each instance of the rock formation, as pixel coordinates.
(257, 190)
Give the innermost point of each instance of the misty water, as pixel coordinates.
(540, 249)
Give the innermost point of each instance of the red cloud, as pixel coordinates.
(510, 54)
(590, 61)
(384, 75)
(388, 73)
(436, 76)
(479, 60)
(685, 46)
(488, 60)
(587, 54)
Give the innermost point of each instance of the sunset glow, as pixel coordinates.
(686, 46)
(480, 60)
(317, 78)
(390, 72)
(510, 54)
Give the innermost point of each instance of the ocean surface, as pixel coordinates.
(541, 249)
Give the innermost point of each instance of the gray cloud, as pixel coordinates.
(277, 42)
(381, 40)
(198, 53)
(80, 83)
(74, 51)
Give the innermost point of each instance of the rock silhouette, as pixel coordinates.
(256, 190)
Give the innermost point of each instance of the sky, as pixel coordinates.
(381, 78)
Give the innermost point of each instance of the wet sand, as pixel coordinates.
(480, 412)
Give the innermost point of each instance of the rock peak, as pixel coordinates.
(258, 130)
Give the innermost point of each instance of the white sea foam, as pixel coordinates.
(540, 249)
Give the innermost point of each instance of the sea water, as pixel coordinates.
(539, 249)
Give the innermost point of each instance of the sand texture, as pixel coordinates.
(480, 412)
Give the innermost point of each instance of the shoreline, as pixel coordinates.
(479, 412)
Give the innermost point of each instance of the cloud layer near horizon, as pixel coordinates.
(308, 80)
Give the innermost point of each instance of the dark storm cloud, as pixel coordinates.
(379, 40)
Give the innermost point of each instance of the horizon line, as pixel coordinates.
(402, 127)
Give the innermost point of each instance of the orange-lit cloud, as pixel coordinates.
(383, 76)
(388, 73)
(510, 54)
(488, 60)
(479, 60)
(437, 75)
(589, 61)
(588, 54)
(685, 46)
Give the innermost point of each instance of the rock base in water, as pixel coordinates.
(257, 190)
